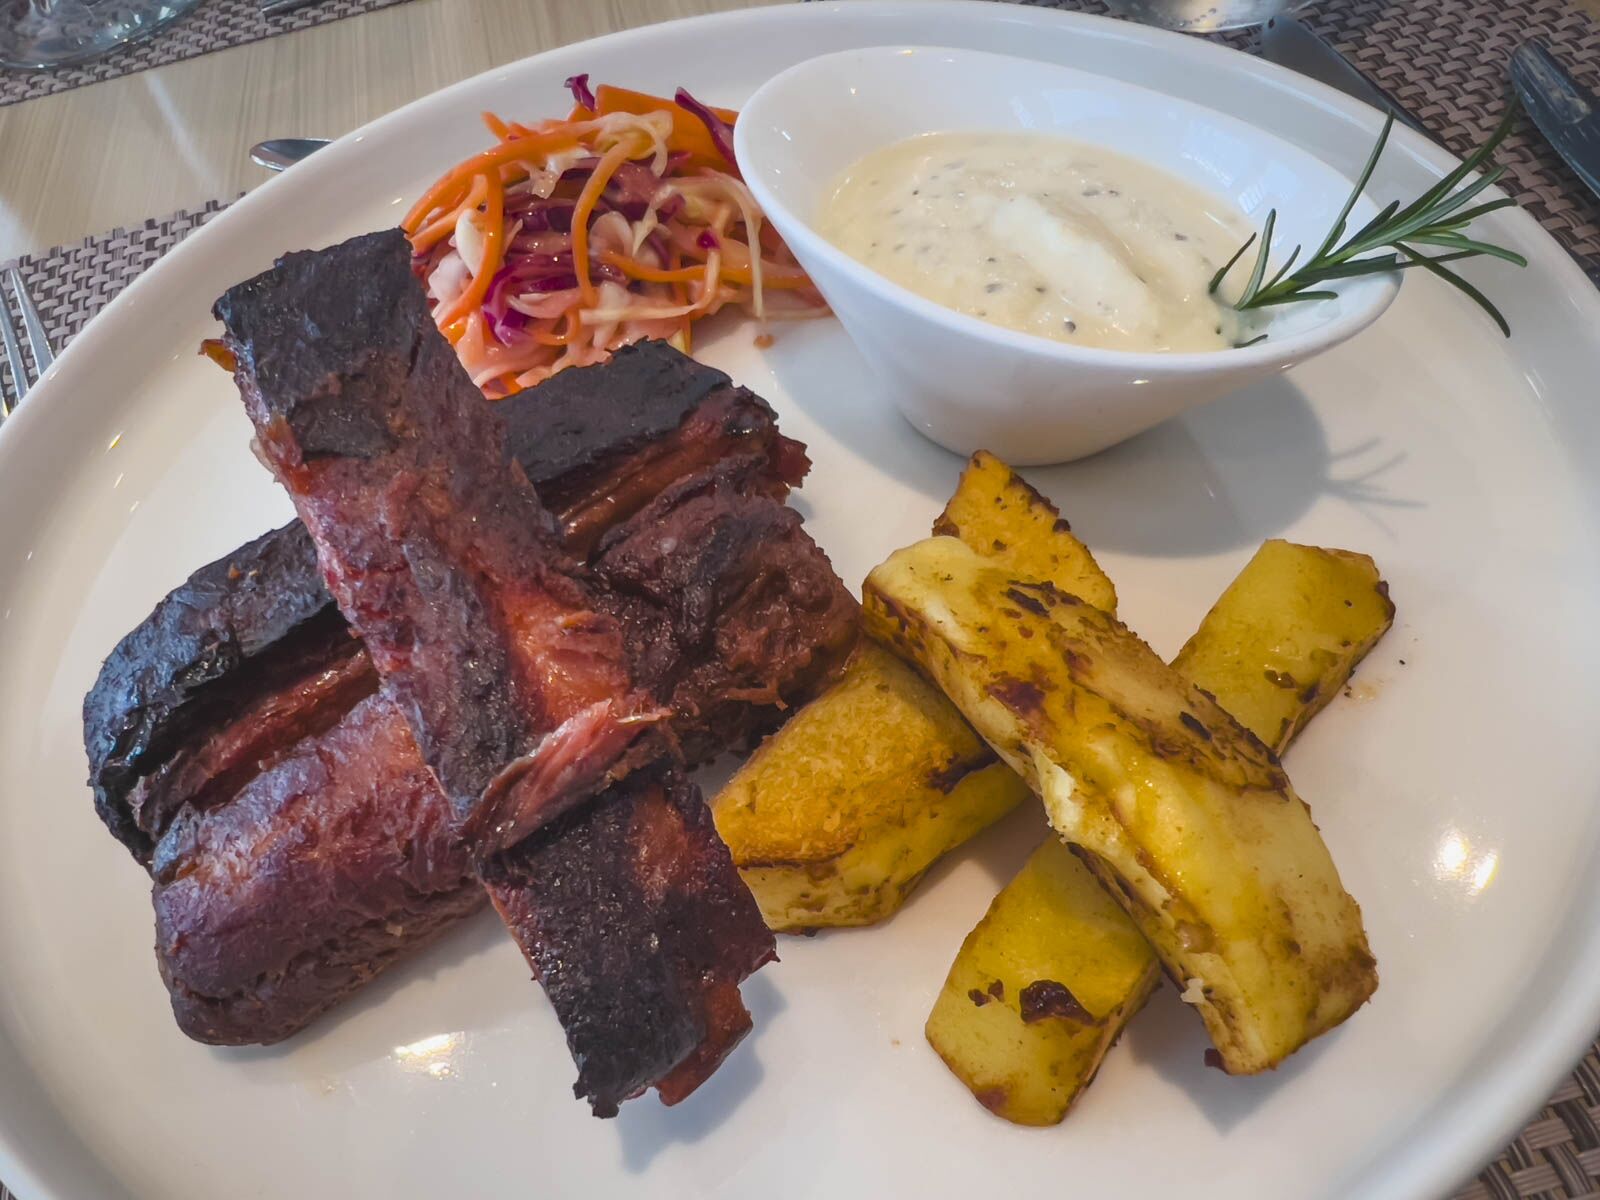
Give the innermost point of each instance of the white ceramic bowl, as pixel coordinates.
(968, 384)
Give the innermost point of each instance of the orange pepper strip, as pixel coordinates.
(493, 251)
(453, 181)
(431, 234)
(596, 183)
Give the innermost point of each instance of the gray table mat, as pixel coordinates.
(1449, 73)
(214, 25)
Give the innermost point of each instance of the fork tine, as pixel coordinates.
(43, 356)
(19, 378)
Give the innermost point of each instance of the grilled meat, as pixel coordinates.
(729, 611)
(639, 879)
(243, 630)
(492, 641)
(711, 601)
(318, 874)
(161, 725)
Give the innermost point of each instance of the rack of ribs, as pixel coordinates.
(277, 896)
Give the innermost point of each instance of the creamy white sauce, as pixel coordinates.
(1052, 237)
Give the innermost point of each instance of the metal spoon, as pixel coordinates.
(279, 154)
(1204, 16)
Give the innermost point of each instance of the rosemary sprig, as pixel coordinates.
(1436, 219)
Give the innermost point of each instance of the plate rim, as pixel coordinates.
(1464, 1127)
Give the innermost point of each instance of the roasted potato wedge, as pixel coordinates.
(836, 816)
(1298, 609)
(839, 814)
(998, 514)
(1182, 813)
(1041, 989)
(1297, 618)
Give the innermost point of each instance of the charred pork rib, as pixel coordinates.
(763, 622)
(368, 883)
(248, 630)
(173, 719)
(435, 546)
(323, 870)
(339, 858)
(493, 643)
(645, 847)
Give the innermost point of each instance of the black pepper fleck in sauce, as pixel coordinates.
(1088, 247)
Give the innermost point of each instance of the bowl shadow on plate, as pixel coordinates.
(645, 1127)
(1168, 1036)
(339, 1042)
(1224, 477)
(815, 364)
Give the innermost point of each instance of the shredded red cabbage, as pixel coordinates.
(708, 241)
(630, 190)
(721, 132)
(578, 85)
(537, 215)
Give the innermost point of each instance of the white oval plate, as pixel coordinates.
(1457, 791)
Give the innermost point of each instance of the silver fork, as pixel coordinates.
(33, 329)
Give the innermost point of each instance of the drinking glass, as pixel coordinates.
(41, 34)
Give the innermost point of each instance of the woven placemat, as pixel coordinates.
(214, 25)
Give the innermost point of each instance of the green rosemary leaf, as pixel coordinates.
(1456, 241)
(1292, 298)
(1365, 178)
(1283, 270)
(1254, 284)
(1380, 266)
(1481, 210)
(1467, 166)
(1438, 218)
(1383, 215)
(1216, 280)
(1356, 266)
(1433, 267)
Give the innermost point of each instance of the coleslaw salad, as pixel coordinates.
(628, 219)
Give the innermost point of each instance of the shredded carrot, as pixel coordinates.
(596, 183)
(497, 127)
(456, 179)
(634, 269)
(431, 234)
(557, 339)
(779, 279)
(493, 248)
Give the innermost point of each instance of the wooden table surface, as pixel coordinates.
(84, 161)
